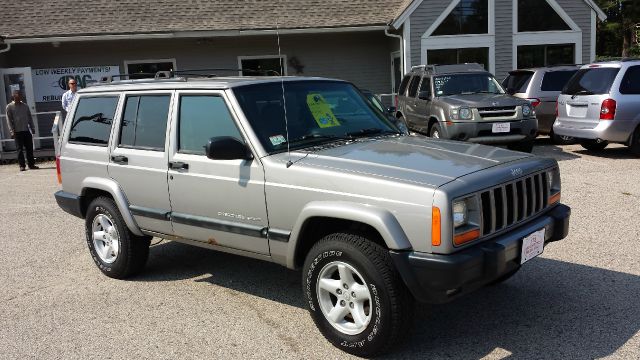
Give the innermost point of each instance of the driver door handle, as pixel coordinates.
(177, 165)
(119, 159)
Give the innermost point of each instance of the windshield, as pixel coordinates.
(455, 84)
(317, 111)
(592, 81)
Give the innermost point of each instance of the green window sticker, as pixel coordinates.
(321, 111)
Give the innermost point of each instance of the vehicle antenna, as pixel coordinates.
(284, 100)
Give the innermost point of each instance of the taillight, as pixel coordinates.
(608, 109)
(534, 102)
(58, 170)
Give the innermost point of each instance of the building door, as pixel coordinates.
(13, 79)
(396, 71)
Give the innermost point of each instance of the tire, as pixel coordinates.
(504, 277)
(524, 146)
(593, 145)
(435, 131)
(561, 140)
(634, 147)
(120, 253)
(374, 277)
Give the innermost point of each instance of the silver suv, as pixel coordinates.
(465, 102)
(306, 173)
(542, 86)
(601, 104)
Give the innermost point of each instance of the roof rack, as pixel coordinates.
(174, 75)
(621, 59)
(443, 69)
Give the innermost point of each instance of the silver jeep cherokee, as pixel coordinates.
(306, 173)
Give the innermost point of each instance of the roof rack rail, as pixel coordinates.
(621, 59)
(175, 75)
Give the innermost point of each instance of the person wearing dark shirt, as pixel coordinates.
(20, 125)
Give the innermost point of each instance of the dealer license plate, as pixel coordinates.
(501, 127)
(532, 246)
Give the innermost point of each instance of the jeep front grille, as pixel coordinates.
(497, 112)
(512, 203)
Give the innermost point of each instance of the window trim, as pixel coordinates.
(443, 42)
(113, 121)
(148, 61)
(122, 109)
(556, 37)
(256, 57)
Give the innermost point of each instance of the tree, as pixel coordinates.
(618, 35)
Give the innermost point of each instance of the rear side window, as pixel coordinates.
(592, 81)
(92, 121)
(556, 80)
(413, 86)
(403, 84)
(630, 84)
(144, 124)
(517, 81)
(201, 118)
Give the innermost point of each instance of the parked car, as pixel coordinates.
(542, 86)
(601, 105)
(304, 173)
(465, 102)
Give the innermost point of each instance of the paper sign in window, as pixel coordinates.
(321, 111)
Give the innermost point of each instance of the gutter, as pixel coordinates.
(399, 37)
(191, 34)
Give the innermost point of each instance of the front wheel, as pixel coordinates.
(435, 131)
(355, 295)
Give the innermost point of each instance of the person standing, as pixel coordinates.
(67, 97)
(20, 126)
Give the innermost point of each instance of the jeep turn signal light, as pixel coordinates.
(466, 237)
(436, 224)
(554, 198)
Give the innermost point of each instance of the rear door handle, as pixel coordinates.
(119, 159)
(176, 165)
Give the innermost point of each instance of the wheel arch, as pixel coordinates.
(93, 187)
(321, 218)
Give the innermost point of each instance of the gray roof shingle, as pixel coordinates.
(100, 17)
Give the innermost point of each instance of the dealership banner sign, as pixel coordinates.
(50, 84)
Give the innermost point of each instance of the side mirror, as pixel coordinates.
(227, 148)
(391, 110)
(424, 95)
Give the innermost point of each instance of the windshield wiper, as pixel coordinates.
(306, 137)
(369, 131)
(478, 92)
(582, 92)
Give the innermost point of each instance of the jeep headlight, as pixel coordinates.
(526, 110)
(460, 213)
(463, 113)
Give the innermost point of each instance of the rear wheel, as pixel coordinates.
(524, 146)
(435, 131)
(635, 142)
(561, 139)
(355, 295)
(594, 145)
(116, 251)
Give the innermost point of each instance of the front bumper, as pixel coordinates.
(481, 131)
(436, 278)
(618, 131)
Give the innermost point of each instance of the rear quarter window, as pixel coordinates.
(556, 80)
(630, 84)
(591, 81)
(413, 86)
(92, 120)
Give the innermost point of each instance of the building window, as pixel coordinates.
(545, 55)
(538, 15)
(269, 65)
(141, 69)
(468, 17)
(459, 56)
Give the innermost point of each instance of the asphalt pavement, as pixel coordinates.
(579, 300)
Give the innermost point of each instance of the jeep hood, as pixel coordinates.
(409, 159)
(482, 100)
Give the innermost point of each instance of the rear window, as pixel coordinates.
(631, 81)
(403, 84)
(413, 87)
(92, 121)
(556, 80)
(517, 81)
(592, 81)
